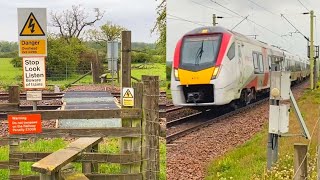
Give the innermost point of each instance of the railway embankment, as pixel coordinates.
(234, 147)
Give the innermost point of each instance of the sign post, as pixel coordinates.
(32, 29)
(112, 52)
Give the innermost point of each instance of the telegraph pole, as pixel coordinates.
(311, 52)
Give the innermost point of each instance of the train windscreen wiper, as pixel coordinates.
(199, 54)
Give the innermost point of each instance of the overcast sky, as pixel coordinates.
(263, 12)
(137, 16)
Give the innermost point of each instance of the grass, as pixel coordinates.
(248, 161)
(12, 76)
(157, 69)
(9, 75)
(110, 145)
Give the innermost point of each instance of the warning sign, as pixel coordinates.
(28, 47)
(128, 97)
(34, 73)
(32, 31)
(32, 27)
(25, 124)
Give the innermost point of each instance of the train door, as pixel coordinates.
(240, 64)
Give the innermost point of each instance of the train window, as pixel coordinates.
(200, 50)
(255, 62)
(232, 51)
(261, 63)
(269, 61)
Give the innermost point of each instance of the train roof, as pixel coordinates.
(219, 29)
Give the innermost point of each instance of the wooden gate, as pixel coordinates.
(139, 156)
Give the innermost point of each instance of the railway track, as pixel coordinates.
(202, 119)
(117, 94)
(45, 96)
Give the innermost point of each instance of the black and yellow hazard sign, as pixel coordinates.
(32, 27)
(128, 97)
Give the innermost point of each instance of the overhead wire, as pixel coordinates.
(182, 19)
(295, 27)
(209, 7)
(303, 5)
(247, 18)
(262, 7)
(239, 23)
(203, 23)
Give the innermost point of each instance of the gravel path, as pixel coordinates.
(188, 157)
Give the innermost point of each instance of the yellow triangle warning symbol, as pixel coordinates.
(128, 94)
(32, 27)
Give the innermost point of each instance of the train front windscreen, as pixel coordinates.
(199, 52)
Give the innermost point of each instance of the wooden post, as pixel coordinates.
(150, 127)
(13, 163)
(300, 161)
(126, 59)
(14, 94)
(89, 167)
(95, 69)
(126, 143)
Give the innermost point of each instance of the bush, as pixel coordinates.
(139, 57)
(63, 57)
(168, 72)
(12, 54)
(16, 61)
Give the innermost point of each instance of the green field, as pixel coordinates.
(11, 76)
(248, 161)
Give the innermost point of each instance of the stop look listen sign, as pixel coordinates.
(34, 73)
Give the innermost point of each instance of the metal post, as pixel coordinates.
(112, 66)
(214, 20)
(272, 146)
(311, 52)
(34, 105)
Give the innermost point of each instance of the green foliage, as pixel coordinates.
(107, 32)
(64, 56)
(139, 57)
(161, 26)
(168, 72)
(16, 61)
(8, 47)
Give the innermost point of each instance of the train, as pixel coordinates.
(214, 66)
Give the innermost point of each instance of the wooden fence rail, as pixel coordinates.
(139, 155)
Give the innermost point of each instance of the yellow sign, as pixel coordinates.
(128, 94)
(28, 47)
(32, 27)
(128, 97)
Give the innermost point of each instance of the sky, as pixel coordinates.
(185, 15)
(137, 17)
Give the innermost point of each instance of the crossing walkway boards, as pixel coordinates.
(89, 100)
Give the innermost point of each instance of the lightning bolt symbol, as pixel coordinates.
(31, 25)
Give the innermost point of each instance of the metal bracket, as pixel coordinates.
(303, 126)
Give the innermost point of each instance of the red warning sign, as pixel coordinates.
(25, 124)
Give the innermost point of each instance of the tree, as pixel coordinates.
(107, 32)
(161, 26)
(71, 23)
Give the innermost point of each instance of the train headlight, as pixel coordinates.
(215, 72)
(176, 74)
